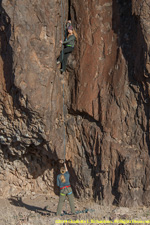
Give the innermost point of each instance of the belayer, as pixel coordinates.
(65, 189)
(69, 44)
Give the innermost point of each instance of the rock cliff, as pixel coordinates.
(106, 94)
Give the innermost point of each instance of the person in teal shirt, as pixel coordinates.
(65, 189)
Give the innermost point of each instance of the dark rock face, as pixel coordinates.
(106, 89)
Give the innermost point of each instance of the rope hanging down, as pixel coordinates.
(62, 31)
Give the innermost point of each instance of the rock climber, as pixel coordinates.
(68, 48)
(65, 189)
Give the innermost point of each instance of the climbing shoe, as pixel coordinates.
(61, 70)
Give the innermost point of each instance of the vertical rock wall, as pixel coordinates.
(111, 100)
(106, 99)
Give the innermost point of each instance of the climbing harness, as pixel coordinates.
(62, 194)
(69, 193)
(66, 194)
(65, 187)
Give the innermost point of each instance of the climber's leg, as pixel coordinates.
(60, 204)
(60, 58)
(71, 200)
(66, 52)
(64, 62)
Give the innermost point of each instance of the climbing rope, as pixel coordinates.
(62, 32)
(62, 38)
(78, 212)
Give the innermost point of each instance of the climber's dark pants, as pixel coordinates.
(64, 56)
(63, 193)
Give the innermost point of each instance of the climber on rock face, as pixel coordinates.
(68, 48)
(65, 189)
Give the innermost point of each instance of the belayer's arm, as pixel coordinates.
(65, 167)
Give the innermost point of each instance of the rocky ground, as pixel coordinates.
(40, 210)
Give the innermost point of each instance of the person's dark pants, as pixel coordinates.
(63, 193)
(64, 56)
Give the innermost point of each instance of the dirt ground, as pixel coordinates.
(41, 209)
